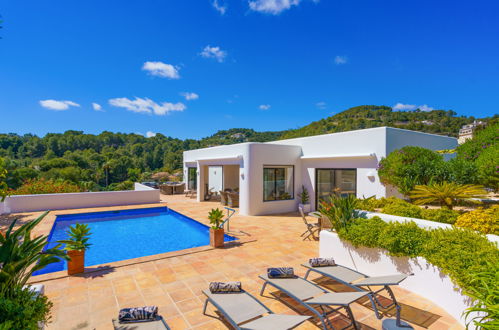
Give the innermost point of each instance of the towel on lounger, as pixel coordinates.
(280, 272)
(321, 262)
(146, 313)
(225, 287)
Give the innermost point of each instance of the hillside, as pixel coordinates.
(366, 116)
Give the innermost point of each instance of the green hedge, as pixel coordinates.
(23, 310)
(459, 253)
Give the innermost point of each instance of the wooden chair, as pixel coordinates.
(312, 228)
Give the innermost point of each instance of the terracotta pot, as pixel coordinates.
(217, 237)
(77, 263)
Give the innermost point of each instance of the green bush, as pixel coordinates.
(403, 209)
(23, 310)
(403, 239)
(364, 232)
(440, 215)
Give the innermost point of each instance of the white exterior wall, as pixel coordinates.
(360, 149)
(43, 202)
(231, 176)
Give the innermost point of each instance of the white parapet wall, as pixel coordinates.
(428, 281)
(30, 203)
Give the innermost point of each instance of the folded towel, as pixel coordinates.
(280, 272)
(321, 262)
(225, 287)
(146, 313)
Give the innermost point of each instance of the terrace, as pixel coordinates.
(174, 281)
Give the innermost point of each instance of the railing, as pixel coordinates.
(230, 213)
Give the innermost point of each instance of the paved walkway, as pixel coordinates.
(175, 283)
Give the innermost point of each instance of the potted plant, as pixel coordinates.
(304, 200)
(216, 231)
(79, 234)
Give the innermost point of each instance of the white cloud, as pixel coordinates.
(274, 7)
(321, 105)
(97, 107)
(150, 134)
(339, 60)
(220, 6)
(264, 107)
(214, 52)
(190, 96)
(425, 107)
(161, 69)
(58, 105)
(411, 107)
(146, 105)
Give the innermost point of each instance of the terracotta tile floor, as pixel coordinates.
(175, 283)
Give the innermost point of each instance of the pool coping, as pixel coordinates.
(49, 220)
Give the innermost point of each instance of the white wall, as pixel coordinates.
(397, 138)
(427, 281)
(215, 178)
(30, 203)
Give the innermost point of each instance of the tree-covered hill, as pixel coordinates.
(114, 160)
(366, 116)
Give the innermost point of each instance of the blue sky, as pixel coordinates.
(188, 68)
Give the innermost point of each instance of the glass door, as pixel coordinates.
(334, 181)
(192, 178)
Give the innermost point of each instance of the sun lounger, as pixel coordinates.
(243, 311)
(362, 283)
(158, 324)
(314, 298)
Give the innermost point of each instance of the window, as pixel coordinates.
(335, 181)
(192, 178)
(278, 183)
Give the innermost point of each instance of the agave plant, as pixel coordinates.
(79, 234)
(339, 210)
(447, 193)
(484, 291)
(215, 216)
(21, 255)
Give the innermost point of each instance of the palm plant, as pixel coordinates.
(447, 193)
(339, 210)
(215, 216)
(21, 255)
(79, 234)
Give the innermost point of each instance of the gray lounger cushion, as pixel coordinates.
(337, 298)
(241, 307)
(381, 280)
(299, 287)
(159, 324)
(275, 322)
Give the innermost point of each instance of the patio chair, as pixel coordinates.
(243, 311)
(233, 199)
(312, 228)
(314, 298)
(208, 193)
(166, 189)
(362, 283)
(223, 198)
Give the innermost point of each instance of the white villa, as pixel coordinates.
(269, 176)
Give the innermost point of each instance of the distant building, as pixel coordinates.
(427, 122)
(238, 136)
(466, 132)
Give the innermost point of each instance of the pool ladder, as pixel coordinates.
(230, 213)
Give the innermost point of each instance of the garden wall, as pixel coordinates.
(29, 203)
(427, 280)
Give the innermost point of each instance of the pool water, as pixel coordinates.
(127, 234)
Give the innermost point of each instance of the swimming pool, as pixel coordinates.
(127, 234)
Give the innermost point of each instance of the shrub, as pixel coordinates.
(482, 220)
(44, 186)
(440, 215)
(216, 216)
(339, 210)
(3, 184)
(410, 166)
(364, 232)
(402, 208)
(403, 239)
(446, 193)
(23, 310)
(488, 167)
